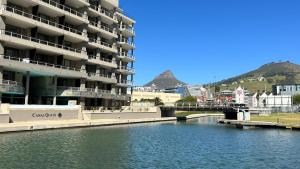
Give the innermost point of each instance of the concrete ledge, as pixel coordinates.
(47, 125)
(4, 118)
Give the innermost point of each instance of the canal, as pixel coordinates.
(199, 143)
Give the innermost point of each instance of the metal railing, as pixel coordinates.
(90, 74)
(42, 20)
(63, 7)
(103, 11)
(124, 68)
(126, 54)
(29, 61)
(123, 40)
(107, 29)
(101, 59)
(100, 42)
(16, 35)
(128, 28)
(126, 82)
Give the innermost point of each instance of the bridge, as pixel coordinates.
(229, 110)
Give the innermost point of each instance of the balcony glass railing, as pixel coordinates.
(100, 42)
(107, 29)
(126, 82)
(16, 35)
(8, 86)
(39, 19)
(29, 61)
(123, 40)
(63, 7)
(101, 59)
(103, 11)
(92, 74)
(127, 55)
(128, 28)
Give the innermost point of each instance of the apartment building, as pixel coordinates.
(54, 51)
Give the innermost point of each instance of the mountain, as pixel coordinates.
(165, 80)
(265, 76)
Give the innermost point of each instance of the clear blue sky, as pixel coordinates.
(208, 40)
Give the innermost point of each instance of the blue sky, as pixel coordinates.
(203, 41)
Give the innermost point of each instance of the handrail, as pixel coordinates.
(2, 31)
(29, 61)
(98, 75)
(42, 20)
(126, 54)
(125, 68)
(129, 28)
(102, 59)
(63, 7)
(123, 40)
(127, 82)
(107, 29)
(101, 42)
(103, 11)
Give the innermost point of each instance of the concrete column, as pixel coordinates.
(55, 90)
(98, 55)
(98, 69)
(27, 88)
(99, 22)
(83, 66)
(98, 38)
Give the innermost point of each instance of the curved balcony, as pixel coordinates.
(106, 47)
(127, 31)
(106, 16)
(39, 68)
(22, 41)
(125, 70)
(125, 56)
(125, 44)
(26, 20)
(125, 18)
(64, 91)
(11, 87)
(53, 8)
(106, 32)
(106, 63)
(101, 78)
(125, 83)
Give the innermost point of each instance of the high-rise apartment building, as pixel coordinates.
(54, 51)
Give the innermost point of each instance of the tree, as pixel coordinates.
(296, 99)
(189, 99)
(158, 102)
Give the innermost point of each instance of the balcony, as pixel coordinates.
(106, 32)
(127, 31)
(25, 20)
(78, 3)
(125, 70)
(101, 78)
(64, 91)
(106, 16)
(20, 41)
(39, 68)
(125, 18)
(52, 8)
(126, 44)
(106, 63)
(104, 46)
(125, 56)
(11, 87)
(125, 83)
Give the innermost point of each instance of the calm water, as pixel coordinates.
(196, 144)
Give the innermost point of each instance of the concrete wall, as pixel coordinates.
(22, 113)
(88, 115)
(165, 97)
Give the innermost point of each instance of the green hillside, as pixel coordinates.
(264, 77)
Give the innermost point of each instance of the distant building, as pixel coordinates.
(239, 95)
(167, 98)
(271, 101)
(287, 89)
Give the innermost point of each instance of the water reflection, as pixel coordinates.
(199, 143)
